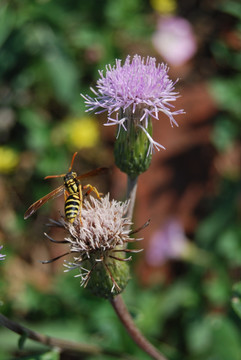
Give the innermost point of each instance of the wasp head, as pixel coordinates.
(70, 176)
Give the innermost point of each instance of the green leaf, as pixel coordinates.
(37, 129)
(217, 290)
(226, 338)
(226, 92)
(22, 340)
(229, 245)
(236, 298)
(232, 7)
(199, 336)
(49, 355)
(63, 74)
(224, 132)
(7, 20)
(214, 337)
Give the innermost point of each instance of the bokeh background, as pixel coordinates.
(184, 293)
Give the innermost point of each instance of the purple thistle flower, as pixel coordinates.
(138, 87)
(2, 257)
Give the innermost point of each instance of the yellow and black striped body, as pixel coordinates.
(72, 206)
(71, 183)
(73, 201)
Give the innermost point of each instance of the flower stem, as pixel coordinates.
(64, 345)
(131, 194)
(127, 321)
(118, 303)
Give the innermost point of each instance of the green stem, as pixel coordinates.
(131, 194)
(118, 303)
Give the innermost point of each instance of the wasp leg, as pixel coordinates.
(81, 202)
(91, 188)
(66, 194)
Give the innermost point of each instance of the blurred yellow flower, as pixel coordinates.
(9, 159)
(164, 6)
(81, 132)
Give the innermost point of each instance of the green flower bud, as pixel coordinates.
(132, 146)
(109, 277)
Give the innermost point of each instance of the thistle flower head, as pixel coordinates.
(103, 226)
(2, 257)
(136, 90)
(99, 244)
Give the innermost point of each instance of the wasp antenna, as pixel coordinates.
(72, 161)
(53, 176)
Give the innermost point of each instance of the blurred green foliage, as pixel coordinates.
(50, 51)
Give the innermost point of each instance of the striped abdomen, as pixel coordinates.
(72, 206)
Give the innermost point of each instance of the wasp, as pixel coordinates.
(72, 190)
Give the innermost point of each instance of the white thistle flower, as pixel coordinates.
(99, 244)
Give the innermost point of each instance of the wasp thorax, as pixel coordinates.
(71, 183)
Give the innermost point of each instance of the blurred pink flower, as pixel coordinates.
(175, 40)
(167, 243)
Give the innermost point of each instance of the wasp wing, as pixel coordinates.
(34, 207)
(94, 172)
